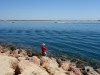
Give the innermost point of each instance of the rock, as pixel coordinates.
(1, 49)
(29, 68)
(29, 53)
(49, 62)
(59, 61)
(7, 51)
(79, 63)
(75, 70)
(57, 72)
(87, 70)
(98, 70)
(70, 73)
(21, 58)
(65, 65)
(51, 66)
(7, 65)
(15, 53)
(35, 60)
(11, 47)
(19, 53)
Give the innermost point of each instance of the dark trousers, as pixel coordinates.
(44, 54)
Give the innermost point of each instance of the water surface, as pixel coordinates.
(80, 38)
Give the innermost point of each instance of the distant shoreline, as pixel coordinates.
(51, 20)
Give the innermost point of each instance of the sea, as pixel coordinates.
(80, 38)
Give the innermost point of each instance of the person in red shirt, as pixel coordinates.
(44, 49)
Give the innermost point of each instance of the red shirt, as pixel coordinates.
(43, 48)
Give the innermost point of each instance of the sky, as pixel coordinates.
(49, 9)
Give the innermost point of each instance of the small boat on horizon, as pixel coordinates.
(13, 22)
(60, 22)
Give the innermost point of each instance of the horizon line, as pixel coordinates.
(45, 20)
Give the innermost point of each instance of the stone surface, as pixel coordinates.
(98, 70)
(29, 68)
(51, 66)
(7, 65)
(1, 49)
(87, 70)
(75, 70)
(19, 53)
(21, 58)
(35, 60)
(65, 65)
(70, 73)
(58, 72)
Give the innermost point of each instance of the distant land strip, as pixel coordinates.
(45, 20)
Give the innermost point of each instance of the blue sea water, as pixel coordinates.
(80, 38)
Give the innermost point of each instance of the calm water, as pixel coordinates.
(80, 38)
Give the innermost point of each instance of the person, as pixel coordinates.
(44, 49)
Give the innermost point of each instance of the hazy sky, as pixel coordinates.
(50, 9)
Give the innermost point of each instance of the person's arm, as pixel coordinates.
(45, 48)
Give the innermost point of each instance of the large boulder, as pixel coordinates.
(69, 67)
(98, 70)
(7, 65)
(65, 65)
(87, 70)
(28, 68)
(19, 53)
(35, 60)
(75, 70)
(51, 66)
(49, 61)
(7, 51)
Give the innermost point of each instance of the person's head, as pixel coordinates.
(43, 44)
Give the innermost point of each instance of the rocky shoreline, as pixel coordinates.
(26, 62)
